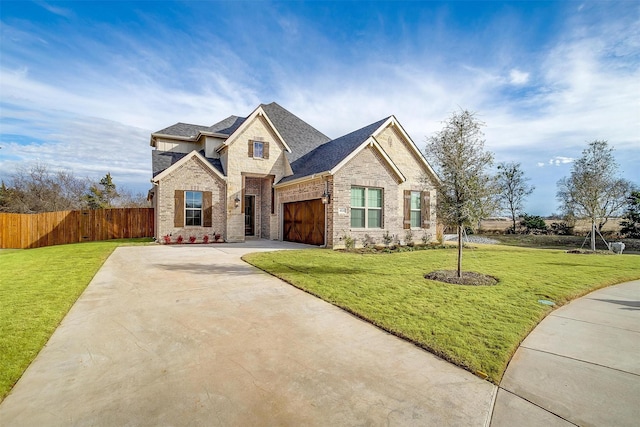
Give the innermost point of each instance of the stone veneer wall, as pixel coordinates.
(237, 162)
(192, 176)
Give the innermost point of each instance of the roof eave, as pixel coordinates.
(302, 179)
(183, 160)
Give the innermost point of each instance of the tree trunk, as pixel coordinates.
(459, 251)
(593, 235)
(513, 218)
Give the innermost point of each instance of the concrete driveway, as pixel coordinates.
(579, 366)
(191, 335)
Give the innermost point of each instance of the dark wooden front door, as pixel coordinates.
(249, 215)
(303, 222)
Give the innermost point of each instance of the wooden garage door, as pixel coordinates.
(304, 222)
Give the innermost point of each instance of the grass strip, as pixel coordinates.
(476, 327)
(37, 289)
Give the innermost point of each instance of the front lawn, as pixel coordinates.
(476, 327)
(37, 289)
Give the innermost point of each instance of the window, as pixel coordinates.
(258, 149)
(417, 207)
(415, 210)
(193, 208)
(366, 207)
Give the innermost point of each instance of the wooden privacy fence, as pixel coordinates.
(22, 231)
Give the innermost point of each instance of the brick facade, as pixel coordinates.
(191, 176)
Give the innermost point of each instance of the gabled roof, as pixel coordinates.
(185, 130)
(327, 156)
(184, 160)
(298, 134)
(257, 113)
(162, 160)
(226, 126)
(392, 121)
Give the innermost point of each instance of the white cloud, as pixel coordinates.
(540, 164)
(517, 77)
(560, 160)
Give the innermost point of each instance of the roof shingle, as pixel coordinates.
(328, 155)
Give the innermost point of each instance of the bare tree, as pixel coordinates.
(593, 190)
(38, 189)
(513, 189)
(465, 191)
(127, 199)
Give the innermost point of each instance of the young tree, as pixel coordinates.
(102, 194)
(513, 189)
(631, 219)
(593, 190)
(465, 190)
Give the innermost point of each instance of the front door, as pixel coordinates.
(249, 215)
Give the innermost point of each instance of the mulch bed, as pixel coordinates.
(468, 278)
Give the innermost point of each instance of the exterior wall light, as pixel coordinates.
(326, 198)
(237, 201)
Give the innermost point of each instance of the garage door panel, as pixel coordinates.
(303, 222)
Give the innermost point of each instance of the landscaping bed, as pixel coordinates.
(476, 327)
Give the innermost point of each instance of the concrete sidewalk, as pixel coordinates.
(580, 366)
(191, 335)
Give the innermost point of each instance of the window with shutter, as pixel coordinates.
(193, 208)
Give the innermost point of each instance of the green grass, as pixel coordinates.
(37, 289)
(476, 327)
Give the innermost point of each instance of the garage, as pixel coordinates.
(303, 222)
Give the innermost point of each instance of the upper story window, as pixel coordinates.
(193, 208)
(258, 149)
(366, 207)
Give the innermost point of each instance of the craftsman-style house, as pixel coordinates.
(271, 175)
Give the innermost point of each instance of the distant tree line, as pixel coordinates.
(37, 189)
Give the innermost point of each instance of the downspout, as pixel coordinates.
(326, 213)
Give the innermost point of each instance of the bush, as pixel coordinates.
(561, 229)
(408, 237)
(533, 224)
(368, 242)
(387, 238)
(349, 242)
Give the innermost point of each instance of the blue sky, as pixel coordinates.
(83, 84)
